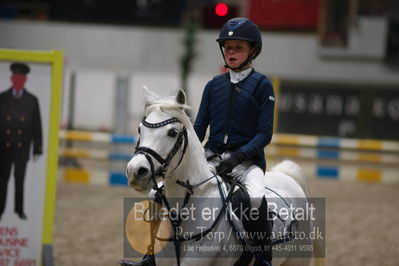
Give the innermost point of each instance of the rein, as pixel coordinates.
(177, 241)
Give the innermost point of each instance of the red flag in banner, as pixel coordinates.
(284, 14)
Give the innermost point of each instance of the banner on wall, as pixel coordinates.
(30, 90)
(339, 109)
(285, 14)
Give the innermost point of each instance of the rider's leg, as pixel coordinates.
(254, 181)
(264, 227)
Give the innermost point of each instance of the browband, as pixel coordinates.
(160, 124)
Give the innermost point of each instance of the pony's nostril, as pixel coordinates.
(142, 172)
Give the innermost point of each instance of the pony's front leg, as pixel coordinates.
(148, 260)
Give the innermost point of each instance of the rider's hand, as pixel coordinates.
(227, 165)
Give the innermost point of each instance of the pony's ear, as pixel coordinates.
(149, 96)
(181, 97)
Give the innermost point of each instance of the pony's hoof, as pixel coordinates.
(147, 261)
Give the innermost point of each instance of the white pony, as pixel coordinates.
(168, 153)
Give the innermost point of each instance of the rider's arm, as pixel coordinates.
(203, 117)
(264, 129)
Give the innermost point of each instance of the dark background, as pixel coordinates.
(377, 117)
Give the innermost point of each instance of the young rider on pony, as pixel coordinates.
(239, 108)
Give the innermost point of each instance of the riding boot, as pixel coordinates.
(148, 260)
(264, 226)
(245, 259)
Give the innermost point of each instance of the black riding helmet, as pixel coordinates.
(241, 29)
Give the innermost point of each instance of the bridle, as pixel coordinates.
(150, 153)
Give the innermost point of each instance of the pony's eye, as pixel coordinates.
(172, 133)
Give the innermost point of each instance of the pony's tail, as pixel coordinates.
(293, 170)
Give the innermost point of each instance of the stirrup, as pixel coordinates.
(261, 262)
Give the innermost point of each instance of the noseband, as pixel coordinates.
(150, 153)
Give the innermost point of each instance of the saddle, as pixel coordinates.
(240, 196)
(237, 211)
(282, 227)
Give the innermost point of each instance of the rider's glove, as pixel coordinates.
(227, 165)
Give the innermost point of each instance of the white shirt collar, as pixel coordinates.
(236, 77)
(16, 93)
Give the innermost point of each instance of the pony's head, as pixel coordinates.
(162, 140)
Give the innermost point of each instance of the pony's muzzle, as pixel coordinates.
(142, 173)
(138, 173)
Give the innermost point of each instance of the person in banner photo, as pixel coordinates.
(20, 127)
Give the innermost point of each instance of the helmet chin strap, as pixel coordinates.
(240, 67)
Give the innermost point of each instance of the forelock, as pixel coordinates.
(169, 106)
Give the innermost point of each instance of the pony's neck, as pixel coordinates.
(193, 168)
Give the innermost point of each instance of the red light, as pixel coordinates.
(221, 9)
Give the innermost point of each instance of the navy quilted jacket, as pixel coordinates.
(240, 116)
